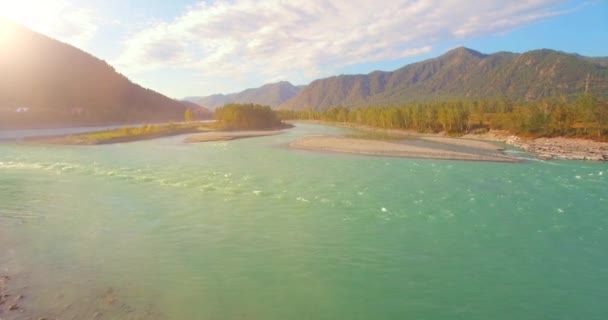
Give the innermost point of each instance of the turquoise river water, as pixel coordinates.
(250, 229)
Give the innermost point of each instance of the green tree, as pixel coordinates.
(188, 115)
(583, 116)
(246, 116)
(600, 113)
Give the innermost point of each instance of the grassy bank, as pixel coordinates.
(128, 134)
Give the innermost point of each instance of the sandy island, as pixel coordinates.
(393, 149)
(468, 143)
(229, 135)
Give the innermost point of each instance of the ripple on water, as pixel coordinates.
(210, 181)
(198, 233)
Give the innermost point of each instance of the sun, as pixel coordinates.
(17, 11)
(12, 13)
(6, 31)
(34, 14)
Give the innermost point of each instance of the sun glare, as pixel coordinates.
(6, 29)
(17, 11)
(36, 15)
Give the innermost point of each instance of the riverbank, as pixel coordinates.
(393, 149)
(229, 135)
(9, 300)
(125, 134)
(208, 132)
(18, 300)
(561, 148)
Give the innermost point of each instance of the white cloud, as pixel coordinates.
(277, 39)
(59, 19)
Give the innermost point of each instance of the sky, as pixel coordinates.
(195, 48)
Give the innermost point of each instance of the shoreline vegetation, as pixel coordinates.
(385, 128)
(234, 121)
(125, 134)
(560, 128)
(240, 121)
(583, 117)
(558, 148)
(207, 132)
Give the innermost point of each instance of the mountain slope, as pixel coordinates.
(197, 111)
(272, 95)
(462, 73)
(52, 84)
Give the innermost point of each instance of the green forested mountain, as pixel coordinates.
(45, 82)
(272, 95)
(462, 73)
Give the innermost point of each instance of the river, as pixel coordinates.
(249, 229)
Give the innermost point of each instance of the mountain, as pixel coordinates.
(462, 73)
(602, 61)
(272, 95)
(45, 82)
(210, 102)
(198, 111)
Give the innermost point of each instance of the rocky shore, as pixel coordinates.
(562, 148)
(559, 148)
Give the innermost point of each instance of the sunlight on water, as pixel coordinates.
(249, 229)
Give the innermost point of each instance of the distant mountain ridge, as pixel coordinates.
(272, 94)
(602, 61)
(45, 82)
(462, 73)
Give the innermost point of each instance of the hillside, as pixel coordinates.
(197, 111)
(462, 73)
(49, 83)
(272, 95)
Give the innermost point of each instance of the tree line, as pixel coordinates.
(246, 116)
(584, 116)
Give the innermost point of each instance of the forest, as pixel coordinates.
(246, 116)
(584, 116)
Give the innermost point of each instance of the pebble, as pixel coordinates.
(563, 148)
